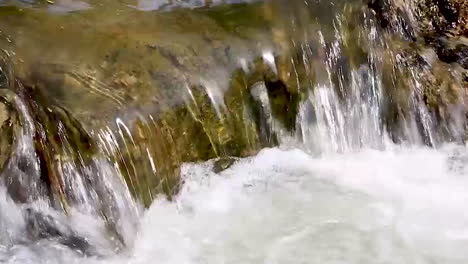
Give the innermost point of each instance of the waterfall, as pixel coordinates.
(160, 144)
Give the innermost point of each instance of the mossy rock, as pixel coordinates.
(198, 130)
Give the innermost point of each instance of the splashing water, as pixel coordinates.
(288, 207)
(395, 206)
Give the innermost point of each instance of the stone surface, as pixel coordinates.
(171, 87)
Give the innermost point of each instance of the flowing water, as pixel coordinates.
(401, 205)
(366, 172)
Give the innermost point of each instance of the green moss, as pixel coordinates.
(238, 18)
(13, 11)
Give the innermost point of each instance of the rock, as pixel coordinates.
(97, 65)
(235, 125)
(441, 24)
(430, 48)
(223, 164)
(394, 16)
(450, 51)
(42, 226)
(109, 60)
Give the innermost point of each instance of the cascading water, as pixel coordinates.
(91, 189)
(329, 144)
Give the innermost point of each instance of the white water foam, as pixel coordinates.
(401, 205)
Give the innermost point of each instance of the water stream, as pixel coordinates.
(346, 155)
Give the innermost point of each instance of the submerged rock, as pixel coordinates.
(42, 226)
(223, 164)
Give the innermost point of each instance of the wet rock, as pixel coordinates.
(442, 16)
(167, 87)
(450, 51)
(46, 153)
(429, 66)
(284, 103)
(223, 164)
(427, 17)
(43, 226)
(117, 62)
(7, 119)
(394, 17)
(95, 66)
(238, 123)
(438, 24)
(428, 89)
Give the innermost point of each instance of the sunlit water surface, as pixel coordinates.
(401, 205)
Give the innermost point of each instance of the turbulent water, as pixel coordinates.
(346, 186)
(401, 205)
(393, 206)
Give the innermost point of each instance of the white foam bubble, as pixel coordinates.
(401, 205)
(395, 206)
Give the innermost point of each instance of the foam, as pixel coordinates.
(401, 205)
